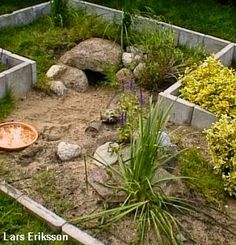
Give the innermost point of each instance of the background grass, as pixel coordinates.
(7, 6)
(206, 16)
(15, 220)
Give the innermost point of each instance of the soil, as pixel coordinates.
(61, 186)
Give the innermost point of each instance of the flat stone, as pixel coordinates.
(105, 155)
(98, 178)
(169, 187)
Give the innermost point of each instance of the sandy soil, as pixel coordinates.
(61, 186)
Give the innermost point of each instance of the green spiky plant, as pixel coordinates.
(151, 207)
(60, 12)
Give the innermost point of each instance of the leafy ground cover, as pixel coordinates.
(15, 220)
(207, 16)
(8, 6)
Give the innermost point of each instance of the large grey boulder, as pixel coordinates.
(93, 54)
(75, 79)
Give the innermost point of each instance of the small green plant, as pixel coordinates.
(130, 108)
(221, 139)
(212, 86)
(152, 209)
(6, 105)
(164, 60)
(202, 177)
(60, 12)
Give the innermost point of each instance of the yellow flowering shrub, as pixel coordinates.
(221, 138)
(212, 86)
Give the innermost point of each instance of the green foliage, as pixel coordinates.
(152, 209)
(203, 179)
(195, 15)
(60, 12)
(45, 183)
(130, 108)
(8, 6)
(14, 219)
(212, 86)
(165, 61)
(221, 139)
(45, 43)
(6, 105)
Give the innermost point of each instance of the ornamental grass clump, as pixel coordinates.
(212, 86)
(221, 139)
(151, 208)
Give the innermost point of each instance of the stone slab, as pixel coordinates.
(181, 111)
(174, 89)
(3, 85)
(202, 119)
(19, 79)
(24, 16)
(51, 218)
(189, 38)
(10, 190)
(214, 44)
(79, 235)
(226, 54)
(105, 12)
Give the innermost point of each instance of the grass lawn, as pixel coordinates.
(15, 219)
(206, 16)
(8, 6)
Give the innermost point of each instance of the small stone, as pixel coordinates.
(181, 237)
(106, 154)
(133, 50)
(128, 60)
(138, 70)
(67, 151)
(171, 187)
(124, 75)
(58, 88)
(165, 139)
(76, 79)
(55, 71)
(97, 178)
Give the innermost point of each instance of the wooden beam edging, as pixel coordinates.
(54, 221)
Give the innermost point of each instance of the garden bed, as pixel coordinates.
(61, 186)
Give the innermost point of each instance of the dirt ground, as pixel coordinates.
(61, 186)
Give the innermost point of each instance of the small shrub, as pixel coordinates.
(221, 139)
(130, 108)
(212, 86)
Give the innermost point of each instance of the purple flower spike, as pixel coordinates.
(122, 119)
(141, 98)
